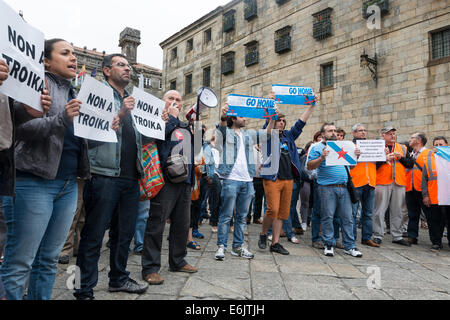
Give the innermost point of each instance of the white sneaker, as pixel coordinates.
(220, 253)
(269, 237)
(329, 251)
(214, 229)
(242, 252)
(353, 252)
(294, 240)
(304, 226)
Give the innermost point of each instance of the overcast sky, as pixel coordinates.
(98, 23)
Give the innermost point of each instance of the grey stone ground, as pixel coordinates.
(306, 274)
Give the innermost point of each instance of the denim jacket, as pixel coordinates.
(229, 147)
(209, 160)
(105, 157)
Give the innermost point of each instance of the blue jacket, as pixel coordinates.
(105, 157)
(288, 137)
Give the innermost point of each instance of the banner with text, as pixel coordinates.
(97, 112)
(302, 96)
(22, 48)
(147, 114)
(251, 107)
(342, 153)
(372, 150)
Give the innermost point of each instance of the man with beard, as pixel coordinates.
(332, 181)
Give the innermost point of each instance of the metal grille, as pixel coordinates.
(440, 44)
(228, 21)
(188, 88)
(327, 75)
(250, 9)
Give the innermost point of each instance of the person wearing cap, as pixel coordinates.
(390, 189)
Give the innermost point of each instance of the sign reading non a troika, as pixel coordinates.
(147, 114)
(22, 48)
(251, 107)
(342, 153)
(372, 150)
(97, 112)
(302, 96)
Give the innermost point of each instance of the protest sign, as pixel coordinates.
(342, 153)
(22, 48)
(442, 158)
(372, 150)
(302, 96)
(97, 112)
(251, 107)
(147, 114)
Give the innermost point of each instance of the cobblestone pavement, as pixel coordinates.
(306, 274)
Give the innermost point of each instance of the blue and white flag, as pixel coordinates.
(302, 96)
(442, 157)
(342, 153)
(251, 107)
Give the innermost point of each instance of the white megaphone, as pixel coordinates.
(206, 98)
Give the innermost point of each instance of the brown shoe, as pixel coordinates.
(188, 269)
(154, 279)
(298, 231)
(370, 243)
(259, 221)
(412, 241)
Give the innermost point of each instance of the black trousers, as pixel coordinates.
(414, 203)
(172, 202)
(257, 202)
(439, 218)
(214, 200)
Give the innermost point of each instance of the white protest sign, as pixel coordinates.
(147, 114)
(97, 112)
(372, 150)
(342, 153)
(22, 48)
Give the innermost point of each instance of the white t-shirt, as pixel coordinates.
(216, 156)
(240, 169)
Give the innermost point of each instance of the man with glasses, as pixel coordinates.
(111, 197)
(364, 176)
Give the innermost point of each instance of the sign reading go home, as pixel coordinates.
(97, 112)
(251, 107)
(302, 96)
(22, 48)
(147, 114)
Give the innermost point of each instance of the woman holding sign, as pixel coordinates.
(49, 158)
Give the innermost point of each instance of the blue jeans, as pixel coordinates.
(315, 215)
(337, 202)
(367, 198)
(107, 201)
(141, 222)
(235, 194)
(38, 221)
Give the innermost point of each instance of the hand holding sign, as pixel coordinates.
(294, 95)
(46, 102)
(4, 70)
(73, 108)
(128, 105)
(251, 107)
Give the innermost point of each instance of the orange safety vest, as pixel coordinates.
(414, 175)
(364, 173)
(395, 171)
(430, 167)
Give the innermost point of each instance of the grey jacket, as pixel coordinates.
(39, 142)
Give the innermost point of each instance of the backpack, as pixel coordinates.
(153, 180)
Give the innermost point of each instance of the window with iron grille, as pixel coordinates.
(326, 76)
(250, 9)
(322, 24)
(283, 40)
(207, 77)
(440, 44)
(251, 55)
(173, 85)
(174, 54)
(208, 35)
(189, 45)
(382, 4)
(228, 63)
(188, 84)
(228, 21)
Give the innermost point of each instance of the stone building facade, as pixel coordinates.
(247, 46)
(129, 42)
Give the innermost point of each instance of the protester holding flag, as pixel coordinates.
(432, 190)
(49, 158)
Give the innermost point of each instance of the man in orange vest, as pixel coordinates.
(414, 201)
(439, 215)
(364, 176)
(390, 189)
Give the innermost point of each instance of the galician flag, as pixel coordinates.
(442, 157)
(342, 153)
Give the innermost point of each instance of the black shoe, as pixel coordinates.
(377, 241)
(278, 248)
(436, 248)
(63, 259)
(262, 243)
(402, 242)
(85, 298)
(130, 286)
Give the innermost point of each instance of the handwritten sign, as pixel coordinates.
(97, 112)
(147, 114)
(22, 48)
(251, 107)
(302, 96)
(342, 153)
(372, 150)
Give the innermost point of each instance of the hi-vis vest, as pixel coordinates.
(395, 171)
(414, 175)
(430, 167)
(364, 173)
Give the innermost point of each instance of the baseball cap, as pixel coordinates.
(387, 129)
